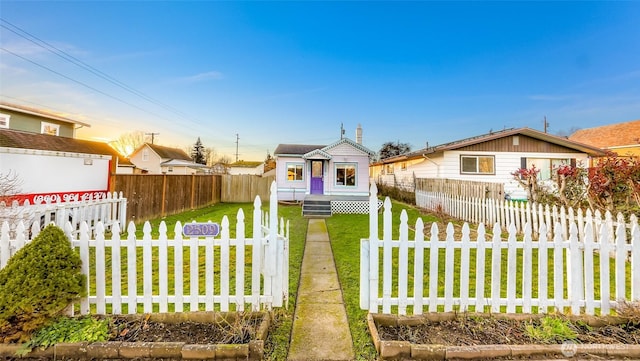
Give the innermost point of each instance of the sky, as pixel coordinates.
(246, 76)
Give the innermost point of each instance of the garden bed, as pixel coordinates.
(456, 336)
(168, 336)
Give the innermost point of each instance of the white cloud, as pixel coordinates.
(211, 75)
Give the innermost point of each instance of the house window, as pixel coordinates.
(295, 171)
(145, 155)
(546, 166)
(4, 120)
(403, 166)
(389, 168)
(170, 169)
(477, 164)
(50, 128)
(346, 174)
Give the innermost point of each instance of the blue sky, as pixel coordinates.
(293, 72)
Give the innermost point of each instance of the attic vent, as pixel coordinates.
(516, 140)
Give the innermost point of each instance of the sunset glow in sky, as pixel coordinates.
(293, 72)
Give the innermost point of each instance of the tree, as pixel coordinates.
(210, 155)
(198, 153)
(128, 142)
(528, 179)
(391, 149)
(269, 162)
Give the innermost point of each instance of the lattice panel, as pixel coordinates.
(352, 207)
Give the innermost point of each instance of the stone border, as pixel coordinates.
(390, 350)
(254, 350)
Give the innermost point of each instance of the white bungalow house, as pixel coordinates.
(490, 158)
(246, 167)
(157, 159)
(334, 175)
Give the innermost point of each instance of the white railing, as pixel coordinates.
(507, 212)
(150, 274)
(489, 273)
(109, 210)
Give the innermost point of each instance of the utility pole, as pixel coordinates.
(546, 125)
(153, 135)
(341, 130)
(237, 141)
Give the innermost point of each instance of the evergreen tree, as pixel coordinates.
(197, 153)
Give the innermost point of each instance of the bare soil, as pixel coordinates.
(472, 331)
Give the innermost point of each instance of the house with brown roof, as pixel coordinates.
(620, 138)
(57, 168)
(491, 158)
(157, 159)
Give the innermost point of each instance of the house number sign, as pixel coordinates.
(201, 229)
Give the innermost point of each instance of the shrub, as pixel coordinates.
(38, 283)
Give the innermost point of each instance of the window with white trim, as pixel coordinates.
(346, 174)
(477, 164)
(295, 172)
(546, 166)
(4, 120)
(145, 155)
(50, 128)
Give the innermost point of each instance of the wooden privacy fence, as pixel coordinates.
(507, 212)
(151, 275)
(245, 187)
(497, 275)
(152, 196)
(109, 210)
(460, 187)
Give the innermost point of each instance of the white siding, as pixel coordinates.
(290, 190)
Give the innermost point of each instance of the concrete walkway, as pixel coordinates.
(320, 327)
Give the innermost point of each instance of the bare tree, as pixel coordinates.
(10, 185)
(210, 155)
(128, 142)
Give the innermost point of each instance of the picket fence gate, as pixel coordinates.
(508, 212)
(567, 268)
(112, 266)
(108, 210)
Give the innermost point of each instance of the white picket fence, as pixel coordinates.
(506, 212)
(495, 274)
(150, 275)
(109, 210)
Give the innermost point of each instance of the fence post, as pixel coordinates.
(373, 249)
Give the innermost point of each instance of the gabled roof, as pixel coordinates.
(536, 134)
(304, 150)
(39, 112)
(166, 153)
(317, 154)
(27, 140)
(351, 143)
(609, 136)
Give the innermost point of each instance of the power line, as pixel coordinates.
(70, 58)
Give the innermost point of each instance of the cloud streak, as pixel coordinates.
(201, 77)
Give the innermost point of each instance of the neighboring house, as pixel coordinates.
(51, 168)
(19, 117)
(490, 158)
(220, 168)
(338, 169)
(157, 159)
(621, 138)
(246, 167)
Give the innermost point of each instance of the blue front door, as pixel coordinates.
(317, 183)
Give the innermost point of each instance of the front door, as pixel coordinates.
(317, 184)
